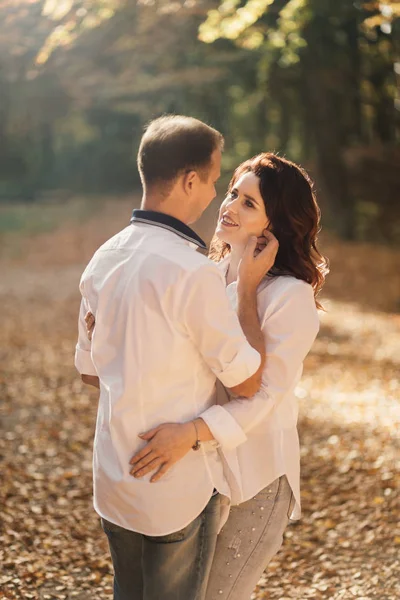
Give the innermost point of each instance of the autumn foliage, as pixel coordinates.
(51, 543)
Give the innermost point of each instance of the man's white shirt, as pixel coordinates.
(165, 331)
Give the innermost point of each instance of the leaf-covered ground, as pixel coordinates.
(51, 545)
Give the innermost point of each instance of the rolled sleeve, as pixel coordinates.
(243, 366)
(83, 362)
(83, 357)
(224, 427)
(290, 328)
(214, 327)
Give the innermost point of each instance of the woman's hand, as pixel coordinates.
(167, 444)
(258, 258)
(262, 242)
(90, 323)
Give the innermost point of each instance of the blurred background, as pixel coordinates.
(316, 81)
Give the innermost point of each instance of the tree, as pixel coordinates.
(314, 79)
(328, 67)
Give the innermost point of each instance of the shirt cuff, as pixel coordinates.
(224, 427)
(83, 362)
(243, 366)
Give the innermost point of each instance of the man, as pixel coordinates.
(164, 332)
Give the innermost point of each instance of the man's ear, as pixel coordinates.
(189, 181)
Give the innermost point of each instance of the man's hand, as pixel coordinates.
(90, 323)
(167, 444)
(258, 258)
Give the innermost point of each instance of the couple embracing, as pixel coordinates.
(196, 452)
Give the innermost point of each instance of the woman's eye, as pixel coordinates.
(249, 203)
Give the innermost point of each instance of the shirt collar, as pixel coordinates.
(167, 222)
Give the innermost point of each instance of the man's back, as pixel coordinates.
(138, 284)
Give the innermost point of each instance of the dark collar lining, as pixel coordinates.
(167, 222)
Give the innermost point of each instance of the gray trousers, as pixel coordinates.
(169, 567)
(248, 541)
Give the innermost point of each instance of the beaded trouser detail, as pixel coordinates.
(248, 541)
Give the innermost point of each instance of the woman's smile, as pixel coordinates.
(243, 212)
(227, 221)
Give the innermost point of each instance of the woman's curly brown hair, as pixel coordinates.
(294, 215)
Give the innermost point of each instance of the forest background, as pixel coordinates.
(316, 81)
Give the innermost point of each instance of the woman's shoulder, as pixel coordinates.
(285, 292)
(278, 285)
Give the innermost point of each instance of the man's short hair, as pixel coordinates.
(174, 144)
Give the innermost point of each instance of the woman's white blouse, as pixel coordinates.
(258, 439)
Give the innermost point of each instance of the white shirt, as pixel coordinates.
(165, 330)
(258, 437)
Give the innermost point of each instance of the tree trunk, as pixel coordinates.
(323, 120)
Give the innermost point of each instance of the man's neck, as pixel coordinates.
(164, 205)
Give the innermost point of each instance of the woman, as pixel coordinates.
(258, 440)
(268, 191)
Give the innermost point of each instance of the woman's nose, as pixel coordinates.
(232, 204)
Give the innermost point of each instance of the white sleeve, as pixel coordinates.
(290, 327)
(214, 327)
(83, 358)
